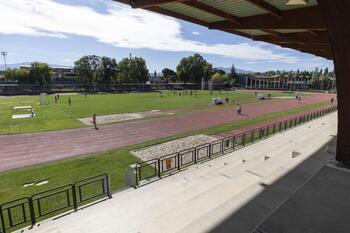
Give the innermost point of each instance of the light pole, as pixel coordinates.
(3, 53)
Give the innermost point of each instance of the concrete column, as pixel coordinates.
(336, 17)
(279, 82)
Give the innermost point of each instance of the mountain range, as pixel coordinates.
(239, 71)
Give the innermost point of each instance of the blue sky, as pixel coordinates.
(61, 31)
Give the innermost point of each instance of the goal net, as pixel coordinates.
(43, 99)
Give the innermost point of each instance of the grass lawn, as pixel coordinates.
(62, 116)
(114, 162)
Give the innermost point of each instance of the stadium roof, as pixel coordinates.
(299, 27)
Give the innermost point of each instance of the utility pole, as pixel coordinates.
(4, 54)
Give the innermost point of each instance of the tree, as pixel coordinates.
(220, 71)
(87, 68)
(40, 73)
(233, 74)
(108, 69)
(169, 74)
(19, 75)
(218, 77)
(133, 70)
(193, 69)
(208, 71)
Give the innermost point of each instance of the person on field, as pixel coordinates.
(55, 99)
(94, 122)
(299, 99)
(239, 109)
(69, 101)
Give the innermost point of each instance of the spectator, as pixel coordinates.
(239, 109)
(94, 122)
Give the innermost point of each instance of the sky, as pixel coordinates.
(61, 31)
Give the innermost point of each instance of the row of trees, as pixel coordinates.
(38, 73)
(89, 69)
(322, 79)
(191, 69)
(195, 68)
(104, 69)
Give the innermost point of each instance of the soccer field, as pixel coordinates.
(57, 116)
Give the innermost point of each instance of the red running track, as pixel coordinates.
(23, 150)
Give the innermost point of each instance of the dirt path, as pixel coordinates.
(34, 148)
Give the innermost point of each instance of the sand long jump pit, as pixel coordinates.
(175, 146)
(114, 118)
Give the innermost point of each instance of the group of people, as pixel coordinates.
(180, 93)
(57, 98)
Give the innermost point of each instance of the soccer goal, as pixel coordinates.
(43, 99)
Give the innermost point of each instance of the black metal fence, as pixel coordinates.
(157, 168)
(30, 210)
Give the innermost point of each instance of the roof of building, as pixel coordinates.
(299, 27)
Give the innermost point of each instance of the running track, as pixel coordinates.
(23, 150)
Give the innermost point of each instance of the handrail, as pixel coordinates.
(31, 207)
(278, 127)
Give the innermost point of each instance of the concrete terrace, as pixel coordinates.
(234, 193)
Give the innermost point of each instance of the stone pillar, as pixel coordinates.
(337, 18)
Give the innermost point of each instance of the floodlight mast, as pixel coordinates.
(4, 54)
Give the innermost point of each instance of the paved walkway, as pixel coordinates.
(34, 148)
(221, 195)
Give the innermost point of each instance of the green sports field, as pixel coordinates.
(57, 116)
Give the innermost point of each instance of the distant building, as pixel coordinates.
(60, 74)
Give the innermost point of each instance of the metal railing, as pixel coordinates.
(160, 167)
(30, 210)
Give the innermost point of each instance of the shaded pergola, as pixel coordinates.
(317, 27)
(276, 82)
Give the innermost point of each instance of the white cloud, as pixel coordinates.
(196, 33)
(121, 26)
